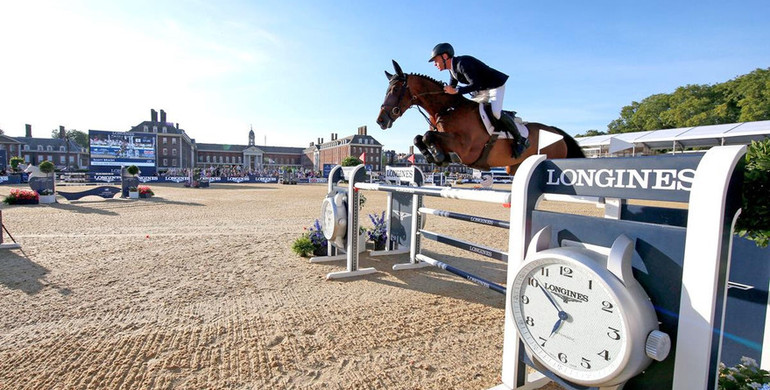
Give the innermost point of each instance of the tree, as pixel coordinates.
(78, 136)
(743, 99)
(591, 133)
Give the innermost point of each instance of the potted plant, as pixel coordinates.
(15, 176)
(19, 196)
(145, 192)
(378, 232)
(47, 196)
(133, 193)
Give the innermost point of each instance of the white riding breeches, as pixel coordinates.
(493, 96)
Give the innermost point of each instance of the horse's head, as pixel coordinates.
(397, 100)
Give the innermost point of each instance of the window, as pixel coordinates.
(173, 162)
(208, 158)
(173, 141)
(173, 152)
(26, 147)
(40, 148)
(26, 157)
(165, 151)
(165, 140)
(62, 149)
(72, 159)
(164, 129)
(165, 162)
(146, 128)
(62, 160)
(155, 129)
(40, 158)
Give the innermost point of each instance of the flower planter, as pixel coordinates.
(25, 201)
(46, 199)
(133, 194)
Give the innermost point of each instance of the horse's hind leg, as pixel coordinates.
(420, 144)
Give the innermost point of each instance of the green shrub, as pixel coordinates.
(302, 246)
(46, 167)
(746, 375)
(754, 221)
(15, 161)
(351, 161)
(132, 170)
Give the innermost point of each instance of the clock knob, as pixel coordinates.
(658, 345)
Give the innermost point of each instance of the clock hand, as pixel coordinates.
(562, 317)
(547, 295)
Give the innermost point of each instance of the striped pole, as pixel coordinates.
(489, 196)
(466, 217)
(473, 278)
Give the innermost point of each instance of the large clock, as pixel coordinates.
(581, 314)
(334, 219)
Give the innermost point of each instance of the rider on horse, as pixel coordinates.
(485, 84)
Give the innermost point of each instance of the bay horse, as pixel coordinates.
(457, 127)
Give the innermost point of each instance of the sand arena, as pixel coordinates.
(199, 289)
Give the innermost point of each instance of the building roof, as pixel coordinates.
(4, 139)
(55, 143)
(241, 148)
(687, 137)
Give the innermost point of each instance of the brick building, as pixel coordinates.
(336, 149)
(60, 151)
(175, 148)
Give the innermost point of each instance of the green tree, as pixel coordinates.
(743, 99)
(591, 133)
(78, 136)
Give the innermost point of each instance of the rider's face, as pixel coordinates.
(440, 61)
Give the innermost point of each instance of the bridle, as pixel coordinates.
(396, 110)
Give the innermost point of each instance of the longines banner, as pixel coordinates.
(110, 178)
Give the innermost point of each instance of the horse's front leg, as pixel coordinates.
(423, 148)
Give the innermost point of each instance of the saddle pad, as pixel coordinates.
(501, 134)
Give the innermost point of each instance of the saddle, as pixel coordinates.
(506, 127)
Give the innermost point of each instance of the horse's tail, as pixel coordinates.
(573, 149)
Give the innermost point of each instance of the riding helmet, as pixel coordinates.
(442, 48)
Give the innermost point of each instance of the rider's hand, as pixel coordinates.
(450, 89)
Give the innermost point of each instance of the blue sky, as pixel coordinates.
(300, 70)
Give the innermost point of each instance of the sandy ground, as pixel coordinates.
(199, 289)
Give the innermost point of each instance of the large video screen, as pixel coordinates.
(112, 149)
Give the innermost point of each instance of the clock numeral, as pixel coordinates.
(606, 306)
(605, 354)
(525, 299)
(613, 333)
(565, 271)
(585, 363)
(563, 358)
(530, 321)
(533, 282)
(543, 341)
(544, 271)
(590, 284)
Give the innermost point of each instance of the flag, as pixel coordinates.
(411, 159)
(362, 157)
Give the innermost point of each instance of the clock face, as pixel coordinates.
(328, 218)
(569, 319)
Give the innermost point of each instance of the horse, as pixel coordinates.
(457, 127)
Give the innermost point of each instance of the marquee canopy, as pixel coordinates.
(686, 137)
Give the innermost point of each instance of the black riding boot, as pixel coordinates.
(519, 143)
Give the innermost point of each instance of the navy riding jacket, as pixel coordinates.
(478, 75)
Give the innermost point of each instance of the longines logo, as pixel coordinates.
(655, 179)
(565, 294)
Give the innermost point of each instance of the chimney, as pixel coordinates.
(153, 115)
(162, 116)
(320, 140)
(362, 130)
(62, 132)
(29, 131)
(411, 150)
(331, 137)
(177, 126)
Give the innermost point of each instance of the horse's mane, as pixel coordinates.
(439, 83)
